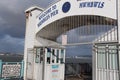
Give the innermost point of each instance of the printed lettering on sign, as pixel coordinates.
(55, 72)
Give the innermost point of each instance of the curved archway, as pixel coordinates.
(91, 29)
(56, 28)
(92, 23)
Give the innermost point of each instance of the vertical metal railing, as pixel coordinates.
(108, 70)
(11, 70)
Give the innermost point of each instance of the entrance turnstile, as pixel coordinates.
(52, 62)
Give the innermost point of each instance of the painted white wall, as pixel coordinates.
(34, 70)
(31, 14)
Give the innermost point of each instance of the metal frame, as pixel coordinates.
(21, 70)
(95, 76)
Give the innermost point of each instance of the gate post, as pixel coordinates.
(94, 62)
(22, 69)
(118, 32)
(0, 68)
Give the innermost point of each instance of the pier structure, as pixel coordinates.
(72, 23)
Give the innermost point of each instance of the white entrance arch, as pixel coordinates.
(44, 26)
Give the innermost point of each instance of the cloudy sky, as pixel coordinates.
(12, 23)
(12, 26)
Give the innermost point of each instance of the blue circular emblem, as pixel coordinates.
(66, 7)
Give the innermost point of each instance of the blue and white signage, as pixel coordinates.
(95, 4)
(65, 8)
(49, 13)
(55, 72)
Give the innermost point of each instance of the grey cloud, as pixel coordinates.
(12, 22)
(12, 16)
(10, 44)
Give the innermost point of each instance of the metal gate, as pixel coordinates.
(106, 61)
(11, 70)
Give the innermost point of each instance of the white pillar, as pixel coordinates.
(31, 14)
(118, 22)
(118, 17)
